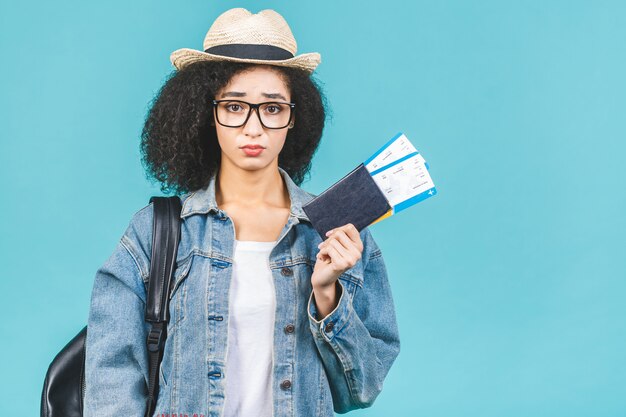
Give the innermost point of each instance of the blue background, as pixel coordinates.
(510, 284)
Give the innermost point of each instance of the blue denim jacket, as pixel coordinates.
(336, 363)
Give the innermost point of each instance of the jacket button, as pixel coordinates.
(286, 271)
(329, 326)
(286, 384)
(289, 328)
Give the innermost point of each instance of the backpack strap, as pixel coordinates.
(165, 238)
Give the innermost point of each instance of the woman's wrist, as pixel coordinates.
(326, 298)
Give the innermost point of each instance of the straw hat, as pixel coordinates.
(240, 36)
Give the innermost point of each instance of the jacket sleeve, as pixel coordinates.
(116, 359)
(362, 343)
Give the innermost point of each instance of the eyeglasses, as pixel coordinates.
(271, 114)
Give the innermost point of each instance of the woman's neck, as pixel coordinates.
(263, 187)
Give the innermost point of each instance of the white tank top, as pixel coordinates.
(249, 361)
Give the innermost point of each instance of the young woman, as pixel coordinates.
(266, 319)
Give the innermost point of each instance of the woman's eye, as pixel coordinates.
(234, 107)
(271, 109)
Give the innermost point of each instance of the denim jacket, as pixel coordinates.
(320, 365)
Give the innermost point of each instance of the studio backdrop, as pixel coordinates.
(509, 284)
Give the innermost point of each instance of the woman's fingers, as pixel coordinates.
(337, 259)
(347, 242)
(351, 232)
(354, 235)
(323, 255)
(346, 258)
(343, 251)
(348, 236)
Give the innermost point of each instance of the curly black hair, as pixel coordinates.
(179, 145)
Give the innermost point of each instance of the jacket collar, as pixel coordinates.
(203, 200)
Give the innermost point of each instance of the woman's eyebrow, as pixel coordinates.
(240, 94)
(233, 94)
(274, 95)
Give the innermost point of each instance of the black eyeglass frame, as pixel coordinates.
(254, 107)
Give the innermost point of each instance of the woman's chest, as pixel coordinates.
(262, 224)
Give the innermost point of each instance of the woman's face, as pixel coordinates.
(256, 85)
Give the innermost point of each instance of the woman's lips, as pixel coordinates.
(252, 151)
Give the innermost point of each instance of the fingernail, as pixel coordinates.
(329, 232)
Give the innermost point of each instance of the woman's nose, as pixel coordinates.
(253, 126)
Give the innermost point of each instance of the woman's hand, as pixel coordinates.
(338, 253)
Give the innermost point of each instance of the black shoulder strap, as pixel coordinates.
(165, 238)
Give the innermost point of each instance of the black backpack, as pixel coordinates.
(64, 386)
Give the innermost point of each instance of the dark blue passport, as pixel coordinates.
(353, 199)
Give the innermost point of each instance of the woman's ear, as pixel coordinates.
(291, 124)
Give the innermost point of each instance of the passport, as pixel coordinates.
(356, 199)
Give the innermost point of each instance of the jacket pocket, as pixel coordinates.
(351, 282)
(162, 379)
(164, 397)
(178, 293)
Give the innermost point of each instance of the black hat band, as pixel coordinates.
(248, 51)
